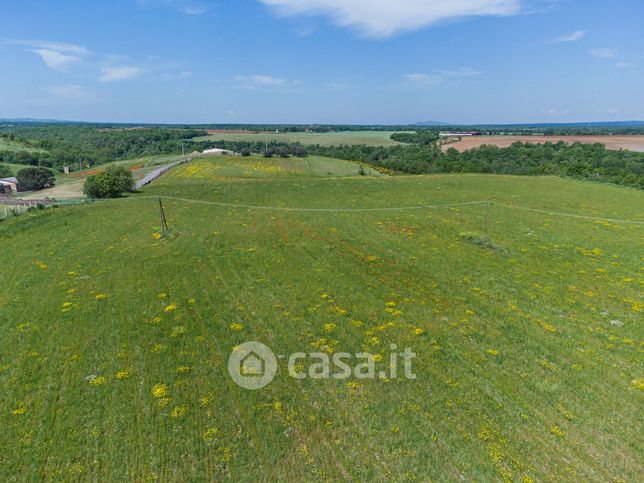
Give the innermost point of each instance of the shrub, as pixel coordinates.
(112, 183)
(282, 152)
(35, 178)
(5, 171)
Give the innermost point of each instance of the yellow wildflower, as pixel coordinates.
(158, 348)
(124, 374)
(179, 411)
(20, 410)
(97, 381)
(160, 391)
(557, 431)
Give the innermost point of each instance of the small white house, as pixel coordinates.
(218, 152)
(8, 184)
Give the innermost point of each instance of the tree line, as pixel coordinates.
(63, 145)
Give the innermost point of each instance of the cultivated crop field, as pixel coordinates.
(615, 143)
(115, 340)
(369, 138)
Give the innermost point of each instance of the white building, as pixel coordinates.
(8, 184)
(218, 152)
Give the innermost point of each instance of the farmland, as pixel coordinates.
(71, 185)
(369, 138)
(615, 143)
(528, 349)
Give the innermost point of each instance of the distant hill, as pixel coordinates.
(431, 123)
(541, 125)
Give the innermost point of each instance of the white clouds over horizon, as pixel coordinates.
(257, 81)
(189, 7)
(55, 55)
(439, 76)
(556, 112)
(384, 18)
(573, 37)
(603, 53)
(119, 73)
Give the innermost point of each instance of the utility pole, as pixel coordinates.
(80, 164)
(487, 208)
(164, 221)
(183, 151)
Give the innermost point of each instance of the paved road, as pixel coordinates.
(157, 173)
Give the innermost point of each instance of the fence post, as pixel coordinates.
(164, 221)
(487, 209)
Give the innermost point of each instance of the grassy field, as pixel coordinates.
(115, 341)
(71, 185)
(370, 138)
(7, 145)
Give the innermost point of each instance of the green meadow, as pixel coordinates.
(369, 138)
(8, 145)
(115, 339)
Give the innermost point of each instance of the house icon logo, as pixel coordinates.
(252, 365)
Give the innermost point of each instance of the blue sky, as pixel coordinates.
(322, 61)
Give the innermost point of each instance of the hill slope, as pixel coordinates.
(115, 343)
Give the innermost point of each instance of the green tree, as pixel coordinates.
(36, 178)
(112, 183)
(5, 171)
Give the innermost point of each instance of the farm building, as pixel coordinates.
(219, 152)
(8, 185)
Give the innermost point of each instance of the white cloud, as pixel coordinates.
(573, 37)
(56, 55)
(257, 81)
(189, 7)
(194, 10)
(603, 53)
(56, 60)
(624, 65)
(384, 18)
(177, 76)
(119, 73)
(439, 76)
(556, 112)
(70, 92)
(340, 86)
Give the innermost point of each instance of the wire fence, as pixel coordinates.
(22, 206)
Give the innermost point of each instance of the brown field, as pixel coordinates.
(630, 143)
(236, 131)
